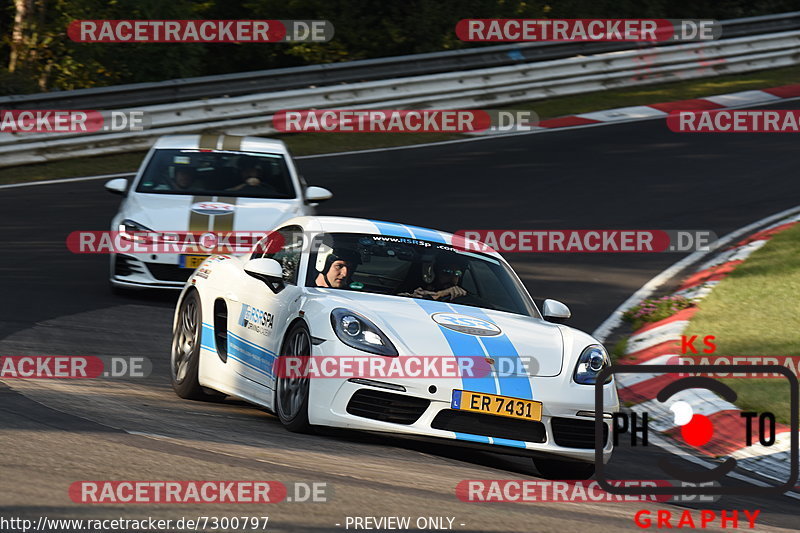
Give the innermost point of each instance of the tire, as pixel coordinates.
(556, 469)
(291, 394)
(185, 355)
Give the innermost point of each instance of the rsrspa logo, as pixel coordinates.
(466, 324)
(256, 320)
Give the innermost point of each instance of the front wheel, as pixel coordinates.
(291, 393)
(185, 358)
(556, 469)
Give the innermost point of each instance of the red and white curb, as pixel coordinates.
(662, 110)
(659, 343)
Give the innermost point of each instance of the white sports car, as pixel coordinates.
(339, 289)
(204, 183)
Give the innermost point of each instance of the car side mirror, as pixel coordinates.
(315, 194)
(117, 186)
(267, 270)
(555, 311)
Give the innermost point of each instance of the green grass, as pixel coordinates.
(617, 351)
(756, 311)
(89, 166)
(320, 143)
(663, 92)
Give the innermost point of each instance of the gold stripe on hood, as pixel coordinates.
(224, 222)
(198, 221)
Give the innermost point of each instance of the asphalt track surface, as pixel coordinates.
(624, 176)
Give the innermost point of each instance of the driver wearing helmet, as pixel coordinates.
(335, 266)
(441, 281)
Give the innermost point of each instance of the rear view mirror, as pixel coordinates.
(117, 186)
(555, 311)
(267, 270)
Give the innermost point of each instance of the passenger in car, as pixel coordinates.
(441, 282)
(251, 175)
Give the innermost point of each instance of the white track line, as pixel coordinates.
(652, 337)
(614, 320)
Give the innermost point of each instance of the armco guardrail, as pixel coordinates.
(480, 88)
(238, 84)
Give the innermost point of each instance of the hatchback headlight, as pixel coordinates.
(133, 231)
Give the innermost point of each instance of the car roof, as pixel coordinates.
(236, 143)
(331, 224)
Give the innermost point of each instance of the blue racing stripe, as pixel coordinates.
(250, 355)
(207, 338)
(244, 363)
(507, 442)
(392, 229)
(254, 345)
(473, 438)
(240, 350)
(500, 347)
(427, 234)
(462, 345)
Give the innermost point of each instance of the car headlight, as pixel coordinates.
(132, 231)
(593, 359)
(357, 332)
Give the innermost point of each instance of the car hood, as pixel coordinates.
(426, 327)
(166, 212)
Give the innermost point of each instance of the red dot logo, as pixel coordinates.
(698, 431)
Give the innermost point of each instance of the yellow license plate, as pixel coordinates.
(491, 404)
(192, 261)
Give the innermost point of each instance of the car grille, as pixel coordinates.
(489, 425)
(125, 266)
(166, 272)
(386, 407)
(573, 433)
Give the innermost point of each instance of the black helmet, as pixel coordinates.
(327, 255)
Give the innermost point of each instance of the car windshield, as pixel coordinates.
(415, 269)
(217, 173)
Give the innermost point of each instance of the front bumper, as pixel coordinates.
(158, 271)
(423, 410)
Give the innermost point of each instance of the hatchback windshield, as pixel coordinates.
(415, 269)
(217, 173)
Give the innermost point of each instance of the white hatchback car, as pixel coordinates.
(200, 183)
(339, 289)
